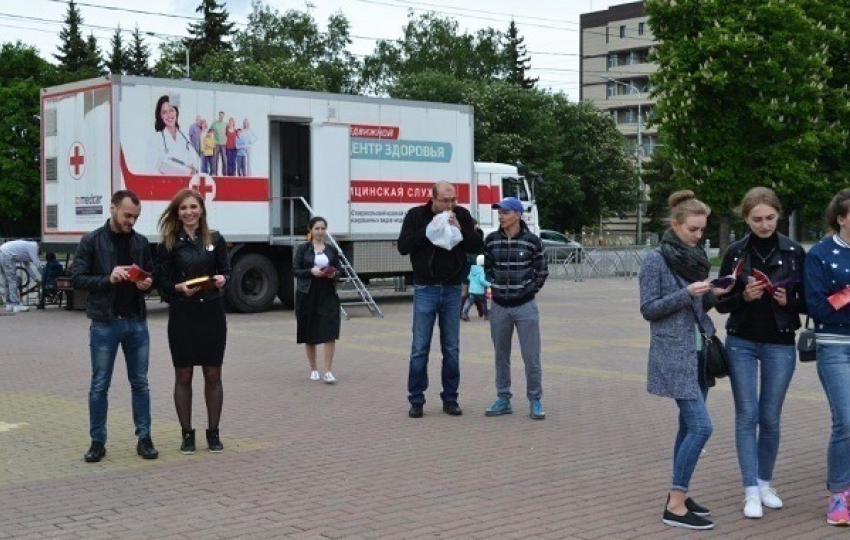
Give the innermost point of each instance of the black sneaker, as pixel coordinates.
(95, 453)
(415, 410)
(452, 408)
(188, 445)
(145, 448)
(213, 442)
(696, 508)
(688, 521)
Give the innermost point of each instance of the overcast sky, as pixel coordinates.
(550, 27)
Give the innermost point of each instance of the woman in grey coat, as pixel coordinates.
(674, 292)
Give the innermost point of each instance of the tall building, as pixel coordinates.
(614, 76)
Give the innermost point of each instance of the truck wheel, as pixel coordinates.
(286, 288)
(254, 284)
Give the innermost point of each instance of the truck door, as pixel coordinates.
(290, 175)
(331, 173)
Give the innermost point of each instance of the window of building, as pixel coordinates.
(611, 90)
(623, 31)
(641, 28)
(612, 60)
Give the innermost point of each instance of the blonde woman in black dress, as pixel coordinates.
(316, 265)
(197, 328)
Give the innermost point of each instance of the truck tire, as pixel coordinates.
(254, 284)
(286, 288)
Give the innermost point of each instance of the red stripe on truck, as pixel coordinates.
(162, 187)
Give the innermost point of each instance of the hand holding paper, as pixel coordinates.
(840, 299)
(723, 282)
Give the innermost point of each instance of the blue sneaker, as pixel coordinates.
(537, 410)
(499, 407)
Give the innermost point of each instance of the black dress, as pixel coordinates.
(197, 326)
(316, 301)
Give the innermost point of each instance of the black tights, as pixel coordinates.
(213, 393)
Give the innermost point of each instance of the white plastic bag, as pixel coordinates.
(441, 234)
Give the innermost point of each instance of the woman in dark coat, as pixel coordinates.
(674, 296)
(197, 328)
(317, 306)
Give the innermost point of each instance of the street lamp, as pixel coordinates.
(638, 153)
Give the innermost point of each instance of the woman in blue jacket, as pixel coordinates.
(827, 272)
(478, 285)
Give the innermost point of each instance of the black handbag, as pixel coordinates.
(807, 346)
(716, 361)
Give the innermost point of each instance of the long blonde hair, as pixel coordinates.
(169, 222)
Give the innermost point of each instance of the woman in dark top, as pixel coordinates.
(197, 328)
(316, 303)
(760, 340)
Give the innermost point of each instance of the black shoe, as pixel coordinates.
(697, 509)
(188, 445)
(415, 410)
(95, 453)
(213, 442)
(145, 448)
(688, 521)
(452, 408)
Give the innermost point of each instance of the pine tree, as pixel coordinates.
(138, 56)
(119, 60)
(518, 60)
(72, 47)
(92, 62)
(209, 35)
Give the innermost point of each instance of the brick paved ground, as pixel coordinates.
(307, 460)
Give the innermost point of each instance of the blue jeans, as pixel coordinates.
(694, 431)
(834, 372)
(430, 302)
(104, 339)
(9, 273)
(758, 409)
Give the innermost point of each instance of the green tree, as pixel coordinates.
(22, 75)
(92, 64)
(138, 55)
(119, 59)
(519, 59)
(432, 42)
(72, 46)
(210, 34)
(740, 98)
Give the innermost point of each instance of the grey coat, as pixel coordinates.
(673, 362)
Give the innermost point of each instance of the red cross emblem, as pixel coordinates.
(77, 160)
(205, 185)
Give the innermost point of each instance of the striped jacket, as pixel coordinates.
(515, 267)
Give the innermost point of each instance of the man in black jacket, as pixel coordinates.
(437, 275)
(116, 307)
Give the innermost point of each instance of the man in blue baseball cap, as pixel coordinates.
(516, 269)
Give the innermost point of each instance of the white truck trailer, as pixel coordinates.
(360, 162)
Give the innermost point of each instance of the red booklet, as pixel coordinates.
(771, 287)
(204, 282)
(137, 273)
(840, 299)
(328, 271)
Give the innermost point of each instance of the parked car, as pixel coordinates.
(558, 248)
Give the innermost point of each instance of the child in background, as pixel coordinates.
(477, 288)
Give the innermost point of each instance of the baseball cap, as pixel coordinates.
(509, 203)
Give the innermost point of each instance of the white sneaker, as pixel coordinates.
(329, 378)
(314, 375)
(770, 499)
(21, 309)
(10, 308)
(752, 508)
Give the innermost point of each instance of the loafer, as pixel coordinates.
(415, 410)
(697, 508)
(145, 448)
(452, 408)
(95, 453)
(688, 521)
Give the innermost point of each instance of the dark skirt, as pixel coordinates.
(317, 313)
(197, 333)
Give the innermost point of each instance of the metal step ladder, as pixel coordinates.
(350, 277)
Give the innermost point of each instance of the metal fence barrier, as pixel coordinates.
(595, 262)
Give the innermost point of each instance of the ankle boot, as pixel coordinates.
(213, 442)
(188, 445)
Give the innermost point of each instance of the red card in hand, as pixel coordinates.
(840, 299)
(137, 273)
(761, 277)
(328, 271)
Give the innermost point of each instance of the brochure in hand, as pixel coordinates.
(328, 271)
(771, 287)
(840, 299)
(204, 282)
(724, 281)
(137, 273)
